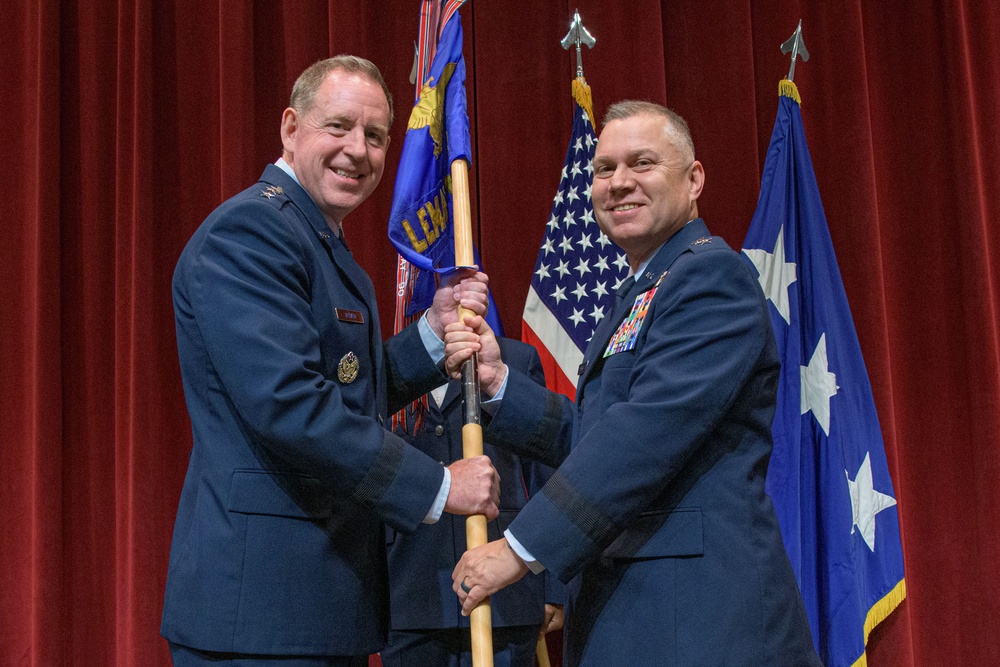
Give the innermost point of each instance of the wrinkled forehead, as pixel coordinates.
(342, 90)
(624, 137)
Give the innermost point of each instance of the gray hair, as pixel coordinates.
(676, 128)
(308, 83)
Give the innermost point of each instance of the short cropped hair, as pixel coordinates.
(308, 83)
(677, 129)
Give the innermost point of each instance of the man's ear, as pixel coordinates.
(696, 180)
(289, 126)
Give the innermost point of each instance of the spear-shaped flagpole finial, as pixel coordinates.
(797, 46)
(578, 35)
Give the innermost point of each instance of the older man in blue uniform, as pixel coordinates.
(657, 514)
(278, 554)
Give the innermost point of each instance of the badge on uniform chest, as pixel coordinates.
(347, 369)
(628, 332)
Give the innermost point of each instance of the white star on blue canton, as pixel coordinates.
(597, 313)
(583, 267)
(563, 268)
(559, 294)
(577, 317)
(585, 243)
(547, 247)
(575, 171)
(566, 244)
(571, 195)
(580, 292)
(543, 271)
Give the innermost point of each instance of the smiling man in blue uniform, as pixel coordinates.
(278, 554)
(657, 515)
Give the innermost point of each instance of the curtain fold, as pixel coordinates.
(32, 540)
(124, 124)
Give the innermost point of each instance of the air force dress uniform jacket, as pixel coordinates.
(657, 512)
(279, 542)
(420, 565)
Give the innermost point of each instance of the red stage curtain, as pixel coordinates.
(124, 124)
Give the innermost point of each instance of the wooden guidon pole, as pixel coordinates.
(542, 652)
(472, 431)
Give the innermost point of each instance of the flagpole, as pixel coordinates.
(480, 620)
(542, 652)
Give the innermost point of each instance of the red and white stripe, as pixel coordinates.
(561, 358)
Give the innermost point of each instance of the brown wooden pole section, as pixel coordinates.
(542, 652)
(472, 431)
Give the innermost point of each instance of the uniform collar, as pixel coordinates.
(287, 169)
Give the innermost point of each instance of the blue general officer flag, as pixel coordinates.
(420, 223)
(828, 475)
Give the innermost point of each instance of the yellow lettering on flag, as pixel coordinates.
(418, 244)
(438, 210)
(433, 219)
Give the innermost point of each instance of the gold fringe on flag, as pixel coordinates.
(878, 613)
(581, 93)
(789, 89)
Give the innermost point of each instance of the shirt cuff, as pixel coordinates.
(437, 509)
(433, 344)
(523, 553)
(491, 406)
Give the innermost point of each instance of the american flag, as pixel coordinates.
(578, 267)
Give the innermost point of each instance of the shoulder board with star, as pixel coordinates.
(274, 194)
(707, 243)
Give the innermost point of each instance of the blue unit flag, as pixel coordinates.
(421, 221)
